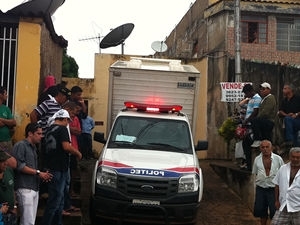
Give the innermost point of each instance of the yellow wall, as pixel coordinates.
(28, 75)
(201, 121)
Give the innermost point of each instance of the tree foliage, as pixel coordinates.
(69, 66)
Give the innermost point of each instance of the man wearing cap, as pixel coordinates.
(43, 112)
(27, 174)
(263, 124)
(7, 194)
(47, 108)
(58, 148)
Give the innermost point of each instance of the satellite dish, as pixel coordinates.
(117, 36)
(159, 46)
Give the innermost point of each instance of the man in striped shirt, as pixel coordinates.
(47, 108)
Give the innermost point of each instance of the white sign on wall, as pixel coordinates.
(232, 91)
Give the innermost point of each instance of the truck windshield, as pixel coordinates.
(151, 133)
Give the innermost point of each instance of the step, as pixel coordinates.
(74, 219)
(82, 188)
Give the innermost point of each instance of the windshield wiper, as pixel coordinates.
(114, 144)
(164, 145)
(126, 144)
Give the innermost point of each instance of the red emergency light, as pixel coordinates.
(153, 108)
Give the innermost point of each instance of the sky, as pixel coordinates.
(81, 23)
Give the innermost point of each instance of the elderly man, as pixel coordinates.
(263, 124)
(265, 167)
(287, 191)
(289, 110)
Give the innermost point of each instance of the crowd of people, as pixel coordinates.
(56, 138)
(59, 134)
(261, 111)
(277, 184)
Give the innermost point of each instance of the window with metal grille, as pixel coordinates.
(8, 51)
(288, 34)
(254, 29)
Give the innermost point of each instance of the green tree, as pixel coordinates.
(69, 66)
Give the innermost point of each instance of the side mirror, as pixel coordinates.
(99, 137)
(201, 145)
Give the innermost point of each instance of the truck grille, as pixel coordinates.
(141, 187)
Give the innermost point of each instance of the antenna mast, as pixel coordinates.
(98, 38)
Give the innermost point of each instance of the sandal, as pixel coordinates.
(65, 213)
(73, 209)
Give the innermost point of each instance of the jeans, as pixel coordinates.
(55, 202)
(10, 219)
(86, 145)
(28, 202)
(292, 126)
(247, 142)
(262, 129)
(67, 198)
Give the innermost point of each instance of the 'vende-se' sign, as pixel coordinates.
(232, 91)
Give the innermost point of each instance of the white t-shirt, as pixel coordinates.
(288, 195)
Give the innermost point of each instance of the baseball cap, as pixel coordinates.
(64, 91)
(266, 85)
(62, 113)
(3, 156)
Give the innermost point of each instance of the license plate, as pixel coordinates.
(145, 202)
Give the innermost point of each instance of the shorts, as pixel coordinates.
(264, 202)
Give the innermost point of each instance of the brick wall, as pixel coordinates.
(263, 52)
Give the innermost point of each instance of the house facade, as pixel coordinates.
(269, 49)
(30, 50)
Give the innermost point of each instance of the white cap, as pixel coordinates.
(62, 113)
(266, 85)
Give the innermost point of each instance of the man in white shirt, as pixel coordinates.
(265, 167)
(287, 191)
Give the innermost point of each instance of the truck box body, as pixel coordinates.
(148, 169)
(153, 81)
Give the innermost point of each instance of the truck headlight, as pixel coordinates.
(188, 183)
(106, 177)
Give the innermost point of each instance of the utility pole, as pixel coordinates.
(237, 31)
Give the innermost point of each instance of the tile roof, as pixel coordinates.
(275, 1)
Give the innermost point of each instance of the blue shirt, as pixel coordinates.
(253, 103)
(88, 125)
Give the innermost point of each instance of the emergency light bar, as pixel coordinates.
(152, 108)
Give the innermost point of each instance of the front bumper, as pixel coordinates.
(103, 207)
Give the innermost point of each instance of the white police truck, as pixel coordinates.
(148, 169)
